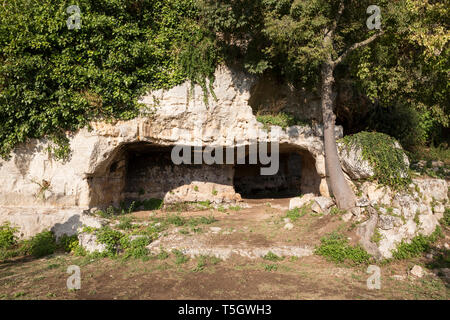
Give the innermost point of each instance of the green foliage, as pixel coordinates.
(125, 223)
(53, 79)
(42, 244)
(335, 211)
(281, 119)
(417, 245)
(272, 257)
(180, 258)
(111, 238)
(297, 213)
(7, 235)
(68, 243)
(335, 247)
(381, 152)
(270, 267)
(136, 248)
(445, 221)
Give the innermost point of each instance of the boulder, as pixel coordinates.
(299, 202)
(353, 163)
(89, 242)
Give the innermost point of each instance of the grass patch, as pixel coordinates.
(296, 213)
(270, 267)
(180, 257)
(272, 257)
(335, 247)
(417, 246)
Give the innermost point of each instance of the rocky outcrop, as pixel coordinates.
(401, 215)
(96, 174)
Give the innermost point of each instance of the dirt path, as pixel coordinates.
(259, 225)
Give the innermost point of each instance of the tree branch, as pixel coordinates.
(336, 20)
(356, 46)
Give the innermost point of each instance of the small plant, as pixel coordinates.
(196, 188)
(136, 248)
(180, 258)
(214, 192)
(234, 208)
(162, 255)
(270, 267)
(335, 247)
(7, 235)
(335, 211)
(272, 257)
(125, 223)
(109, 237)
(176, 220)
(68, 243)
(201, 264)
(296, 213)
(418, 245)
(377, 236)
(445, 221)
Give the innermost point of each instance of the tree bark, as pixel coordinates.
(343, 193)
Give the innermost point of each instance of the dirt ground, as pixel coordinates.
(259, 225)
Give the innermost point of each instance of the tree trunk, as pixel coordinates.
(345, 197)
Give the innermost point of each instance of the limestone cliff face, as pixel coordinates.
(96, 173)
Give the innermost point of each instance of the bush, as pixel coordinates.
(7, 235)
(68, 243)
(336, 248)
(42, 244)
(53, 79)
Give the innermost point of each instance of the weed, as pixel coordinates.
(162, 255)
(7, 235)
(180, 258)
(109, 237)
(270, 267)
(272, 257)
(42, 244)
(68, 243)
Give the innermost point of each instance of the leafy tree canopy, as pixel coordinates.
(53, 79)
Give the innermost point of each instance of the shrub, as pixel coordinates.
(136, 248)
(68, 243)
(272, 257)
(180, 258)
(42, 244)
(296, 213)
(445, 221)
(111, 238)
(7, 235)
(336, 248)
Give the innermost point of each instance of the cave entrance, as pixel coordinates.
(141, 171)
(296, 175)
